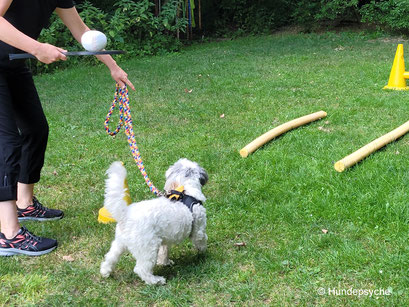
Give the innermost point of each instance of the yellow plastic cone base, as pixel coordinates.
(103, 214)
(397, 77)
(394, 88)
(105, 217)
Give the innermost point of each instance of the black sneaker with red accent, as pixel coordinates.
(25, 243)
(37, 212)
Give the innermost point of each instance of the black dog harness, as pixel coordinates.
(188, 201)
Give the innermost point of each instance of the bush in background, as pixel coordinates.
(223, 17)
(317, 13)
(130, 26)
(387, 15)
(392, 15)
(260, 16)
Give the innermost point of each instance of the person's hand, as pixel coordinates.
(47, 53)
(121, 77)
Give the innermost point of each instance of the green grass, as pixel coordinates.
(277, 201)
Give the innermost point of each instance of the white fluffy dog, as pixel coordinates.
(148, 227)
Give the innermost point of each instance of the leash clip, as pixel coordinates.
(176, 194)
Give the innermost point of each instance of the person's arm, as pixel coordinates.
(74, 23)
(46, 53)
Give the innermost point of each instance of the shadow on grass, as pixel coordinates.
(188, 265)
(356, 166)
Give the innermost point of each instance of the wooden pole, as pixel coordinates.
(200, 16)
(156, 8)
(187, 15)
(177, 17)
(189, 8)
(365, 151)
(261, 140)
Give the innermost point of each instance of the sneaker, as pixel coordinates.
(25, 243)
(37, 212)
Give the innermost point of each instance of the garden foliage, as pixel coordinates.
(249, 16)
(133, 25)
(129, 25)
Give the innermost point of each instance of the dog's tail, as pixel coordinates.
(115, 191)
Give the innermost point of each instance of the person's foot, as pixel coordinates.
(25, 243)
(37, 212)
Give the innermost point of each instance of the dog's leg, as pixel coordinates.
(198, 235)
(145, 261)
(163, 258)
(111, 258)
(199, 240)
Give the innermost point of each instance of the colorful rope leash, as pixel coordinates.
(121, 99)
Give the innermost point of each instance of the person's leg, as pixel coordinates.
(33, 128)
(25, 195)
(14, 240)
(10, 153)
(9, 224)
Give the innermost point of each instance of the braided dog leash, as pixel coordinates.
(121, 99)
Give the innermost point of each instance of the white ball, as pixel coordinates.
(93, 40)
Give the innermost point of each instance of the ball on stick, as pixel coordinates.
(93, 40)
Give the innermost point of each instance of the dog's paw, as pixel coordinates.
(155, 280)
(201, 246)
(104, 272)
(165, 263)
(158, 280)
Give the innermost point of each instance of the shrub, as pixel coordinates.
(131, 26)
(134, 25)
(391, 15)
(312, 14)
(248, 16)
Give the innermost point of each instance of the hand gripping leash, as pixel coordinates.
(121, 99)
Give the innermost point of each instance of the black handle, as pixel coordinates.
(20, 56)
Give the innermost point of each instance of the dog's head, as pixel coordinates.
(187, 173)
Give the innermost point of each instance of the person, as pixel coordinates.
(23, 125)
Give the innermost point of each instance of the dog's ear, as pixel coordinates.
(171, 171)
(203, 176)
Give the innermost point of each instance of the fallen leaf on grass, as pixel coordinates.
(285, 263)
(68, 258)
(324, 230)
(324, 129)
(222, 116)
(188, 91)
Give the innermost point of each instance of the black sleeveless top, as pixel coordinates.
(30, 17)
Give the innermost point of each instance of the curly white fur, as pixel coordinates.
(149, 227)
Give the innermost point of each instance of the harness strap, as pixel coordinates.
(188, 201)
(177, 193)
(121, 99)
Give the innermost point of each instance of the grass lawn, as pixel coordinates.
(304, 225)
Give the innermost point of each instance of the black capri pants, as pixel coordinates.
(23, 131)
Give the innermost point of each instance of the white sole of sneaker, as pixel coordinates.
(15, 252)
(40, 219)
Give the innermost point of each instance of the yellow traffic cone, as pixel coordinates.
(397, 77)
(104, 216)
